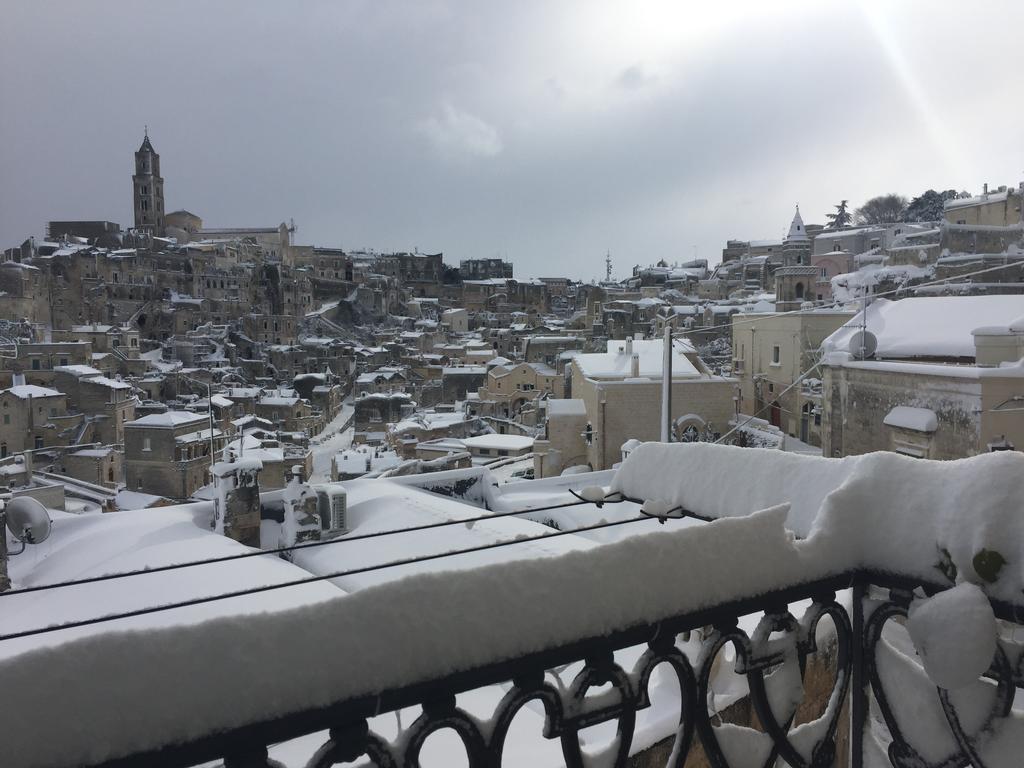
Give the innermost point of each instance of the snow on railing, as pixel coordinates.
(594, 637)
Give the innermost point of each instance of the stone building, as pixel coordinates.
(108, 403)
(484, 269)
(945, 380)
(289, 412)
(373, 413)
(102, 465)
(455, 320)
(509, 388)
(552, 350)
(794, 286)
(168, 454)
(1000, 208)
(34, 417)
(36, 361)
(564, 444)
(769, 353)
(621, 390)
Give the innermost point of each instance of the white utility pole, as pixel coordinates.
(666, 387)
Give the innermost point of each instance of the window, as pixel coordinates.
(53, 412)
(39, 443)
(35, 364)
(7, 418)
(485, 451)
(824, 271)
(63, 361)
(3, 450)
(776, 354)
(502, 452)
(147, 444)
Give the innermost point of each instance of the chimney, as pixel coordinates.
(634, 366)
(18, 380)
(629, 345)
(984, 189)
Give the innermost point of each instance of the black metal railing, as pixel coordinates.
(590, 682)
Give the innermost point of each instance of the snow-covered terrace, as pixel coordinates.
(770, 528)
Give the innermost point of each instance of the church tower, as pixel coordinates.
(796, 248)
(148, 190)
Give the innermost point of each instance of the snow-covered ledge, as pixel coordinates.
(782, 521)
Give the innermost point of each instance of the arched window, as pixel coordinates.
(799, 290)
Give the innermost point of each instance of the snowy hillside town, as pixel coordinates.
(644, 426)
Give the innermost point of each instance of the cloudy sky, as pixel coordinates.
(547, 132)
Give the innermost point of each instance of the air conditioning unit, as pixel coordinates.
(332, 506)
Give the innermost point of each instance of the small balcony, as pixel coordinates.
(874, 620)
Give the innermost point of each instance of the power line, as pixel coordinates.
(823, 304)
(309, 580)
(814, 367)
(292, 548)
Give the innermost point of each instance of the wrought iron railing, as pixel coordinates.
(770, 646)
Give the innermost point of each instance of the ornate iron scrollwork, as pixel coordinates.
(609, 680)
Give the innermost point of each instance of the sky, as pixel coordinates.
(547, 133)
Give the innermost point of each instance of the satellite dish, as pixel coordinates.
(28, 520)
(863, 344)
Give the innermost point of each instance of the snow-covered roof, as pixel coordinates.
(616, 363)
(109, 383)
(24, 391)
(78, 370)
(276, 401)
(94, 328)
(499, 442)
(168, 419)
(567, 407)
(92, 545)
(932, 326)
(967, 202)
(202, 434)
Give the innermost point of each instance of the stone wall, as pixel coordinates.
(856, 400)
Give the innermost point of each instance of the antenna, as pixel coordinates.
(608, 267)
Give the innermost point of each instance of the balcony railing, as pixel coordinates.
(773, 640)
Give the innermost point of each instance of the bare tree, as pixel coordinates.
(884, 209)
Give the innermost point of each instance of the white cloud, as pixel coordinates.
(457, 132)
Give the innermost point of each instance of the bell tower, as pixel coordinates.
(148, 190)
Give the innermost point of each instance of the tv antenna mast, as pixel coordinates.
(608, 267)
